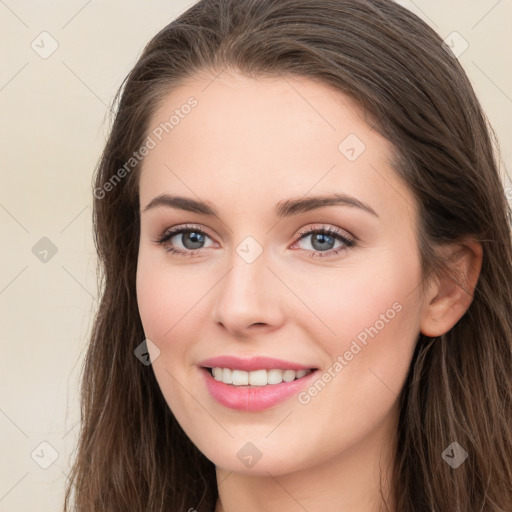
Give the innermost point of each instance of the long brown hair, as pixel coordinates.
(132, 454)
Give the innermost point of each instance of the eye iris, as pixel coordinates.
(322, 238)
(195, 238)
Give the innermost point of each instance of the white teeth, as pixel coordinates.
(274, 376)
(256, 377)
(227, 375)
(240, 378)
(289, 375)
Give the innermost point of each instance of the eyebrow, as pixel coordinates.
(282, 209)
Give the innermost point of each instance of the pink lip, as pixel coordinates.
(253, 398)
(252, 363)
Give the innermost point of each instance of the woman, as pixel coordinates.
(302, 228)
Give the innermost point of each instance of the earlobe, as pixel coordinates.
(451, 293)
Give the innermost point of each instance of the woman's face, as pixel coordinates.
(276, 273)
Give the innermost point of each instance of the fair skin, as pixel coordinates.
(248, 145)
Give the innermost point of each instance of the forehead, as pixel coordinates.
(264, 138)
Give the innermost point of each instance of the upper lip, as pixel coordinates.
(252, 363)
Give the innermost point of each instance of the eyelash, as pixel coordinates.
(347, 242)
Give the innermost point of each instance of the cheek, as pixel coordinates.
(152, 299)
(165, 294)
(355, 301)
(165, 297)
(359, 388)
(372, 314)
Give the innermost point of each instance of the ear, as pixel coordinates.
(449, 295)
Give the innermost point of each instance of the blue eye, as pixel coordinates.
(193, 239)
(323, 241)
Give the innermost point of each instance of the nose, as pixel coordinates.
(249, 299)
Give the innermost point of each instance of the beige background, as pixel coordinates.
(53, 126)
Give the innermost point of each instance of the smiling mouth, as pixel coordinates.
(256, 378)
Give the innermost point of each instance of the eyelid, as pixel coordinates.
(335, 231)
(347, 239)
(185, 227)
(176, 230)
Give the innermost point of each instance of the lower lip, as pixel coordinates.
(253, 398)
